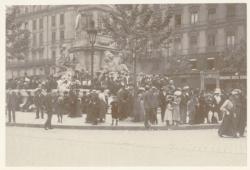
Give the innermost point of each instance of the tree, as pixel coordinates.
(234, 60)
(138, 28)
(17, 37)
(177, 65)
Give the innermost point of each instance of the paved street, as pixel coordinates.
(57, 147)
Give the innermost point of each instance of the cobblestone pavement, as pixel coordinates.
(37, 147)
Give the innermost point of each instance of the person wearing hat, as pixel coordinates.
(84, 102)
(114, 111)
(59, 106)
(231, 110)
(94, 107)
(122, 96)
(183, 105)
(242, 118)
(39, 103)
(162, 102)
(49, 106)
(148, 106)
(11, 105)
(176, 107)
(218, 100)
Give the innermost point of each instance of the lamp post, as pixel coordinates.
(92, 32)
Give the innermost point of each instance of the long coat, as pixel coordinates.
(103, 106)
(122, 102)
(176, 109)
(229, 123)
(11, 100)
(138, 110)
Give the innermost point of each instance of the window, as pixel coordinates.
(53, 54)
(211, 14)
(41, 23)
(26, 25)
(193, 40)
(210, 63)
(193, 63)
(53, 21)
(211, 40)
(230, 40)
(34, 39)
(231, 10)
(61, 19)
(26, 10)
(61, 35)
(177, 20)
(34, 25)
(99, 22)
(194, 17)
(41, 38)
(53, 37)
(33, 55)
(34, 8)
(178, 43)
(41, 54)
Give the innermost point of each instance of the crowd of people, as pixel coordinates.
(114, 93)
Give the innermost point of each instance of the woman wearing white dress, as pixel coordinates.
(169, 112)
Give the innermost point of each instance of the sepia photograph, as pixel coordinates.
(126, 85)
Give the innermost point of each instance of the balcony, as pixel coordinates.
(30, 63)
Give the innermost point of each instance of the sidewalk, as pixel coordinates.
(24, 119)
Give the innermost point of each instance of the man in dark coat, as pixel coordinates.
(183, 105)
(39, 103)
(122, 96)
(72, 103)
(242, 117)
(11, 105)
(148, 105)
(162, 103)
(94, 107)
(218, 100)
(49, 106)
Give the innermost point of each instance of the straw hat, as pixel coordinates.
(217, 91)
(185, 87)
(177, 93)
(235, 91)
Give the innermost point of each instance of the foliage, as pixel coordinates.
(136, 27)
(235, 60)
(177, 65)
(17, 38)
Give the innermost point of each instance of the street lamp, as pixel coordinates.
(92, 32)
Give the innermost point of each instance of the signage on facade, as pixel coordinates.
(233, 77)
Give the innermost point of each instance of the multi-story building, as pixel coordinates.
(53, 27)
(203, 33)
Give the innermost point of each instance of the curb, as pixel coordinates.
(93, 127)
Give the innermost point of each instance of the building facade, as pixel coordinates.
(53, 27)
(203, 33)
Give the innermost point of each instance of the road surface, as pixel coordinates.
(57, 147)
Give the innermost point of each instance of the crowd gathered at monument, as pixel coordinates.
(116, 94)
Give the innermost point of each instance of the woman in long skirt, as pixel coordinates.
(139, 110)
(169, 114)
(176, 110)
(231, 110)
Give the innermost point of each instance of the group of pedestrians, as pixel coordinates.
(154, 95)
